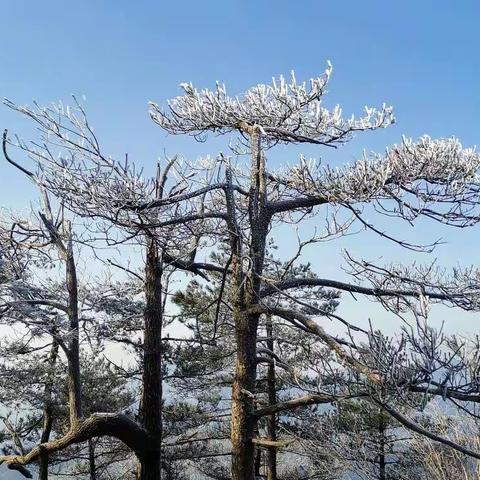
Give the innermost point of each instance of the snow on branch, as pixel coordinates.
(460, 287)
(285, 111)
(69, 158)
(69, 162)
(436, 178)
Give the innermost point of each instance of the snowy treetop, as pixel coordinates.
(284, 111)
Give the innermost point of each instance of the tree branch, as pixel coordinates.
(115, 425)
(412, 425)
(290, 283)
(313, 399)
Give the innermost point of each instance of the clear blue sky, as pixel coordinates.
(420, 56)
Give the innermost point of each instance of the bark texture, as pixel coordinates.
(243, 421)
(151, 414)
(73, 382)
(246, 288)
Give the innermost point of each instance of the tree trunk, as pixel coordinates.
(74, 385)
(381, 464)
(258, 462)
(91, 460)
(381, 460)
(272, 400)
(247, 291)
(47, 412)
(150, 467)
(47, 428)
(243, 421)
(43, 468)
(72, 350)
(151, 414)
(258, 453)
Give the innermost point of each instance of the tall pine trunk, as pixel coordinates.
(243, 420)
(151, 411)
(247, 293)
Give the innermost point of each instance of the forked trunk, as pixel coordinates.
(247, 292)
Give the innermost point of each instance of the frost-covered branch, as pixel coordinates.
(285, 111)
(435, 178)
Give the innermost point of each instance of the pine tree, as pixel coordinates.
(240, 206)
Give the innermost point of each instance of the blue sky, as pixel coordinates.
(419, 56)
